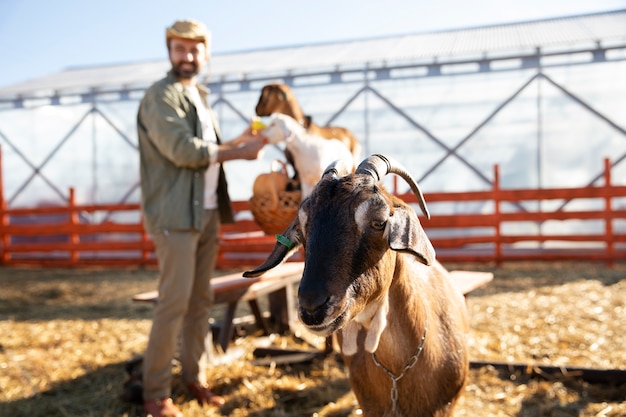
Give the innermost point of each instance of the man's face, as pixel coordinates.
(188, 57)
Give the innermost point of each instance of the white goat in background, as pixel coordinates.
(311, 153)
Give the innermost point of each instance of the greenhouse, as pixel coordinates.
(544, 100)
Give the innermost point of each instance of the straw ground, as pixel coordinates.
(66, 335)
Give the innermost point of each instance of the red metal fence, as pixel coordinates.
(59, 236)
(606, 243)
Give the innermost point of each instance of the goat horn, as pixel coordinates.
(377, 166)
(337, 169)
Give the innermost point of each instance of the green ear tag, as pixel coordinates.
(284, 240)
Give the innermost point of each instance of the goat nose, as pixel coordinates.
(310, 303)
(313, 311)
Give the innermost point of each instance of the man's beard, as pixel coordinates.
(186, 70)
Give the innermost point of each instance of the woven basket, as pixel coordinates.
(274, 220)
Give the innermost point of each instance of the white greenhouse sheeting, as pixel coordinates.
(446, 46)
(544, 100)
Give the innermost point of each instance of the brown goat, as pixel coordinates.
(370, 274)
(279, 98)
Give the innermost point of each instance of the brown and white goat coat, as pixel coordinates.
(311, 153)
(370, 274)
(279, 98)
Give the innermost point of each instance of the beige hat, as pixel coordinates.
(188, 29)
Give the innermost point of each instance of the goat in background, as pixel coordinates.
(311, 153)
(370, 275)
(279, 98)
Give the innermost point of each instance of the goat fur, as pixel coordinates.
(311, 153)
(371, 275)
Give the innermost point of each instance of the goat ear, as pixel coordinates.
(286, 245)
(406, 234)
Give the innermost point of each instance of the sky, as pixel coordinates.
(41, 37)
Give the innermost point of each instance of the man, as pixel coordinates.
(184, 198)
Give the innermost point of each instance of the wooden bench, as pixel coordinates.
(230, 289)
(468, 281)
(465, 281)
(278, 284)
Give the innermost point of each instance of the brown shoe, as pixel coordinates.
(161, 408)
(204, 396)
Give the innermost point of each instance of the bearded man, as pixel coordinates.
(184, 199)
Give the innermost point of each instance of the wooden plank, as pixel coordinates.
(147, 297)
(268, 355)
(263, 246)
(434, 197)
(459, 242)
(449, 221)
(102, 246)
(468, 281)
(530, 194)
(38, 229)
(592, 375)
(560, 215)
(66, 262)
(547, 238)
(241, 226)
(289, 272)
(232, 288)
(25, 211)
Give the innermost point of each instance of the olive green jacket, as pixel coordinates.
(174, 159)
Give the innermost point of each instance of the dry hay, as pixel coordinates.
(66, 335)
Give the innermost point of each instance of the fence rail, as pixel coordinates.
(63, 235)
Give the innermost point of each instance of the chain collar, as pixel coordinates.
(394, 378)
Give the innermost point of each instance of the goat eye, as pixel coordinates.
(378, 224)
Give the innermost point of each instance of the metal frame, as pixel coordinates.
(226, 89)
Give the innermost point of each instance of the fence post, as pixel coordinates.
(74, 238)
(496, 213)
(6, 239)
(608, 214)
(4, 219)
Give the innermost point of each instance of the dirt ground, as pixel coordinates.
(67, 335)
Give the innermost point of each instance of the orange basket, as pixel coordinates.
(272, 206)
(274, 220)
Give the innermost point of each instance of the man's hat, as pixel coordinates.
(188, 29)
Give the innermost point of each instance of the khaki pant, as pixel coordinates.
(186, 263)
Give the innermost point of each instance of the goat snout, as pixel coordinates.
(322, 314)
(313, 307)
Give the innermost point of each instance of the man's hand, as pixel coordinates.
(247, 136)
(253, 149)
(247, 146)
